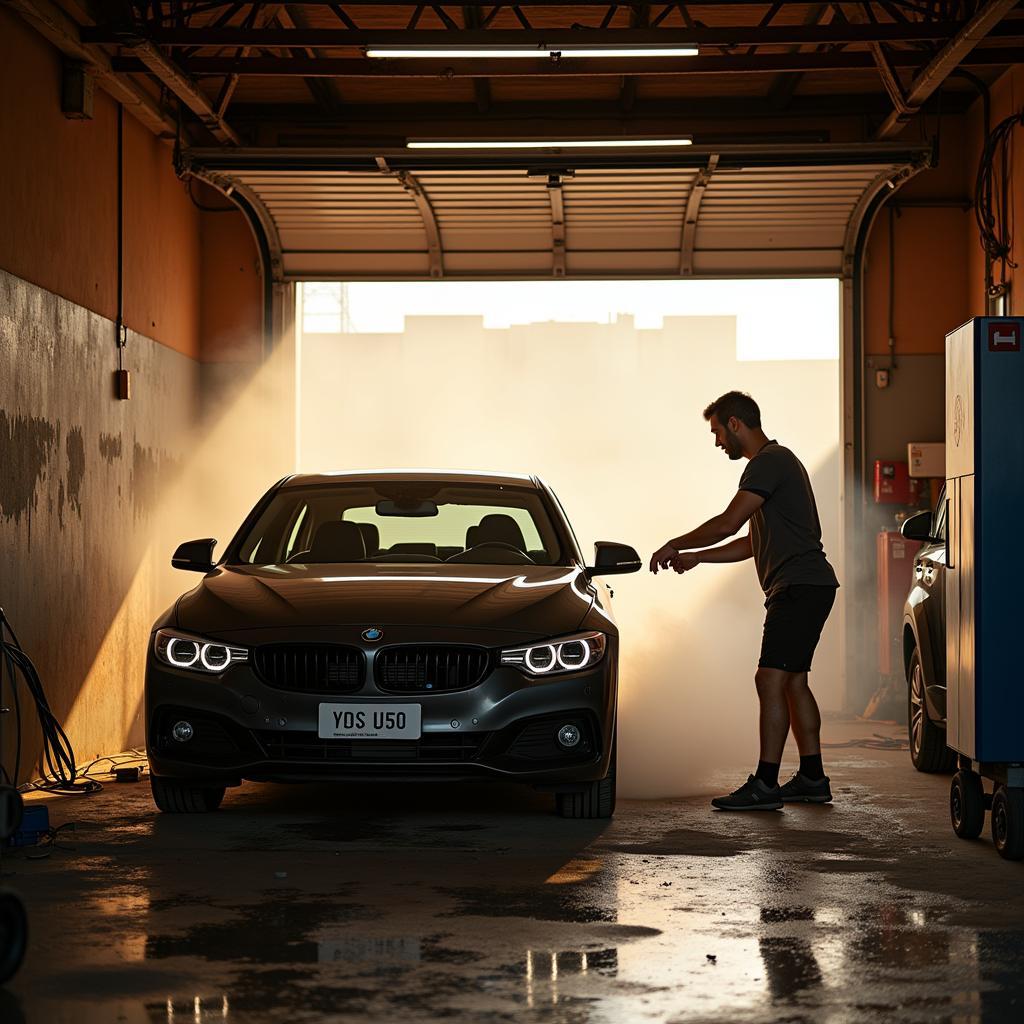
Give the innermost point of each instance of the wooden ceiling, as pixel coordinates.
(290, 74)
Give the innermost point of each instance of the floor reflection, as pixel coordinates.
(194, 1010)
(544, 970)
(790, 964)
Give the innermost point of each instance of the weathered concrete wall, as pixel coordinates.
(87, 486)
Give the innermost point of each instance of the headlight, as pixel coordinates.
(568, 654)
(179, 650)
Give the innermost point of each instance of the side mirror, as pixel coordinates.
(195, 555)
(918, 527)
(610, 558)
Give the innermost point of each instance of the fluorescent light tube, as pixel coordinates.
(547, 143)
(432, 53)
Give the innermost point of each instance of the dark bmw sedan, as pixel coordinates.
(398, 625)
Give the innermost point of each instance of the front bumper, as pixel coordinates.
(502, 728)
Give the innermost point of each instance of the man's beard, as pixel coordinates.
(733, 447)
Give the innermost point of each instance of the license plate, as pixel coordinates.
(370, 721)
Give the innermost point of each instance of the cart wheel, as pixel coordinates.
(13, 935)
(967, 804)
(1008, 822)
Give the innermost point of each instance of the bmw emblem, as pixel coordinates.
(373, 634)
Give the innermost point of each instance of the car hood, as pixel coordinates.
(539, 600)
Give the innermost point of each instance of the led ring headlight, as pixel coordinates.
(207, 657)
(557, 657)
(574, 654)
(540, 659)
(182, 653)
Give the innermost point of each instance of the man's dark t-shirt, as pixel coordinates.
(785, 531)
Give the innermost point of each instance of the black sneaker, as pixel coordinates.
(753, 795)
(802, 790)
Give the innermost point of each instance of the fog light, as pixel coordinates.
(182, 731)
(568, 736)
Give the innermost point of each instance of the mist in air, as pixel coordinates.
(610, 416)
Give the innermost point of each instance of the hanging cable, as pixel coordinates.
(992, 200)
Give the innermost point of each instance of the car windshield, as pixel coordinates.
(403, 521)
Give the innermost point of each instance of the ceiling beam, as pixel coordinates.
(548, 113)
(957, 51)
(62, 31)
(768, 63)
(481, 86)
(263, 15)
(181, 83)
(833, 33)
(325, 93)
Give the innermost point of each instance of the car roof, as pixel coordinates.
(465, 476)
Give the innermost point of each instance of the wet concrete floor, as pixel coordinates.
(475, 903)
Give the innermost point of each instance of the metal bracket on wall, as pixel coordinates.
(412, 186)
(693, 201)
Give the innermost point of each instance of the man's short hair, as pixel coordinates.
(738, 404)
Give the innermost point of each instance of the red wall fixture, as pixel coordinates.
(895, 562)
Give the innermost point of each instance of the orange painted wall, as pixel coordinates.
(931, 244)
(58, 216)
(231, 289)
(57, 177)
(940, 269)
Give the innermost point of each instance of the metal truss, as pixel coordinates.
(198, 51)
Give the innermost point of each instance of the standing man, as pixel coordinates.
(784, 539)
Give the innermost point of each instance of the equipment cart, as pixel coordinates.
(984, 585)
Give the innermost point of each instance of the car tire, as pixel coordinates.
(928, 750)
(1008, 822)
(13, 935)
(967, 804)
(173, 796)
(597, 800)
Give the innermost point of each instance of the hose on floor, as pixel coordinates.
(58, 757)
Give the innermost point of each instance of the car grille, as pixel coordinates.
(310, 668)
(431, 747)
(439, 668)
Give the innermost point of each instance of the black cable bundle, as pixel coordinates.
(992, 193)
(58, 756)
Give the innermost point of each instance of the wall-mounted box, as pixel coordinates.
(926, 459)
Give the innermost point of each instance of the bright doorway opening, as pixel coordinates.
(599, 388)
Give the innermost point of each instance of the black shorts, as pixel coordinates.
(793, 624)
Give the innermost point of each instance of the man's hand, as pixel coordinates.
(662, 558)
(685, 561)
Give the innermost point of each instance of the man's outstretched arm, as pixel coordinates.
(738, 550)
(713, 532)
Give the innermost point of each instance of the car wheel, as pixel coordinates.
(13, 935)
(1008, 822)
(173, 796)
(967, 804)
(596, 801)
(928, 750)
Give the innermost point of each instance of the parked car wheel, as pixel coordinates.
(173, 796)
(928, 750)
(1008, 822)
(13, 935)
(967, 804)
(596, 801)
